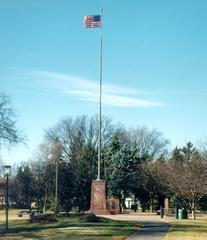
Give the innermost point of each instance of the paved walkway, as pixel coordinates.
(151, 231)
(154, 228)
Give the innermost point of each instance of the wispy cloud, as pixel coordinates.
(87, 90)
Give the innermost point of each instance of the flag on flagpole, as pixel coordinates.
(93, 21)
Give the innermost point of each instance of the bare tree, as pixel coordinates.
(74, 133)
(185, 175)
(40, 166)
(150, 143)
(8, 130)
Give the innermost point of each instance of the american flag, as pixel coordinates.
(92, 21)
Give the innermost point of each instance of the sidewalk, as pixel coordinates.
(154, 228)
(151, 231)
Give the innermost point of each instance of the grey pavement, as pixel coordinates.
(151, 231)
(154, 228)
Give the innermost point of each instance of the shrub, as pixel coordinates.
(134, 207)
(42, 218)
(89, 218)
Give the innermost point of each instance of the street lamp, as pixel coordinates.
(55, 154)
(56, 186)
(7, 172)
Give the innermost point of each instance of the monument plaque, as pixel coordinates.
(113, 206)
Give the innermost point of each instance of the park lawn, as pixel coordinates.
(11, 211)
(70, 228)
(187, 230)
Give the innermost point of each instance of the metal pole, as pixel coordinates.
(176, 212)
(7, 200)
(100, 98)
(56, 188)
(161, 212)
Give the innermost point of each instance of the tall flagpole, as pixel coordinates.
(100, 98)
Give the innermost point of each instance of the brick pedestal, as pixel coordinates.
(98, 198)
(113, 205)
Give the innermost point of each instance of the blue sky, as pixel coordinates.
(154, 65)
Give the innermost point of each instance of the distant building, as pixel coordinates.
(131, 204)
(128, 202)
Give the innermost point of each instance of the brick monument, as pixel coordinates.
(113, 206)
(98, 198)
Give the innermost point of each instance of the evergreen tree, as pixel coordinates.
(122, 175)
(184, 155)
(25, 183)
(66, 186)
(85, 173)
(115, 144)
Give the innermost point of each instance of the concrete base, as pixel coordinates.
(98, 198)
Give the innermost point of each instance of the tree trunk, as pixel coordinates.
(45, 200)
(193, 214)
(45, 203)
(151, 206)
(193, 210)
(151, 203)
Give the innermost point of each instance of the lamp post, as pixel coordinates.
(7, 171)
(56, 187)
(55, 154)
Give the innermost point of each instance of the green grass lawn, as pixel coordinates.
(69, 228)
(187, 230)
(11, 211)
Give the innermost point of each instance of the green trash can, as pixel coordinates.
(182, 214)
